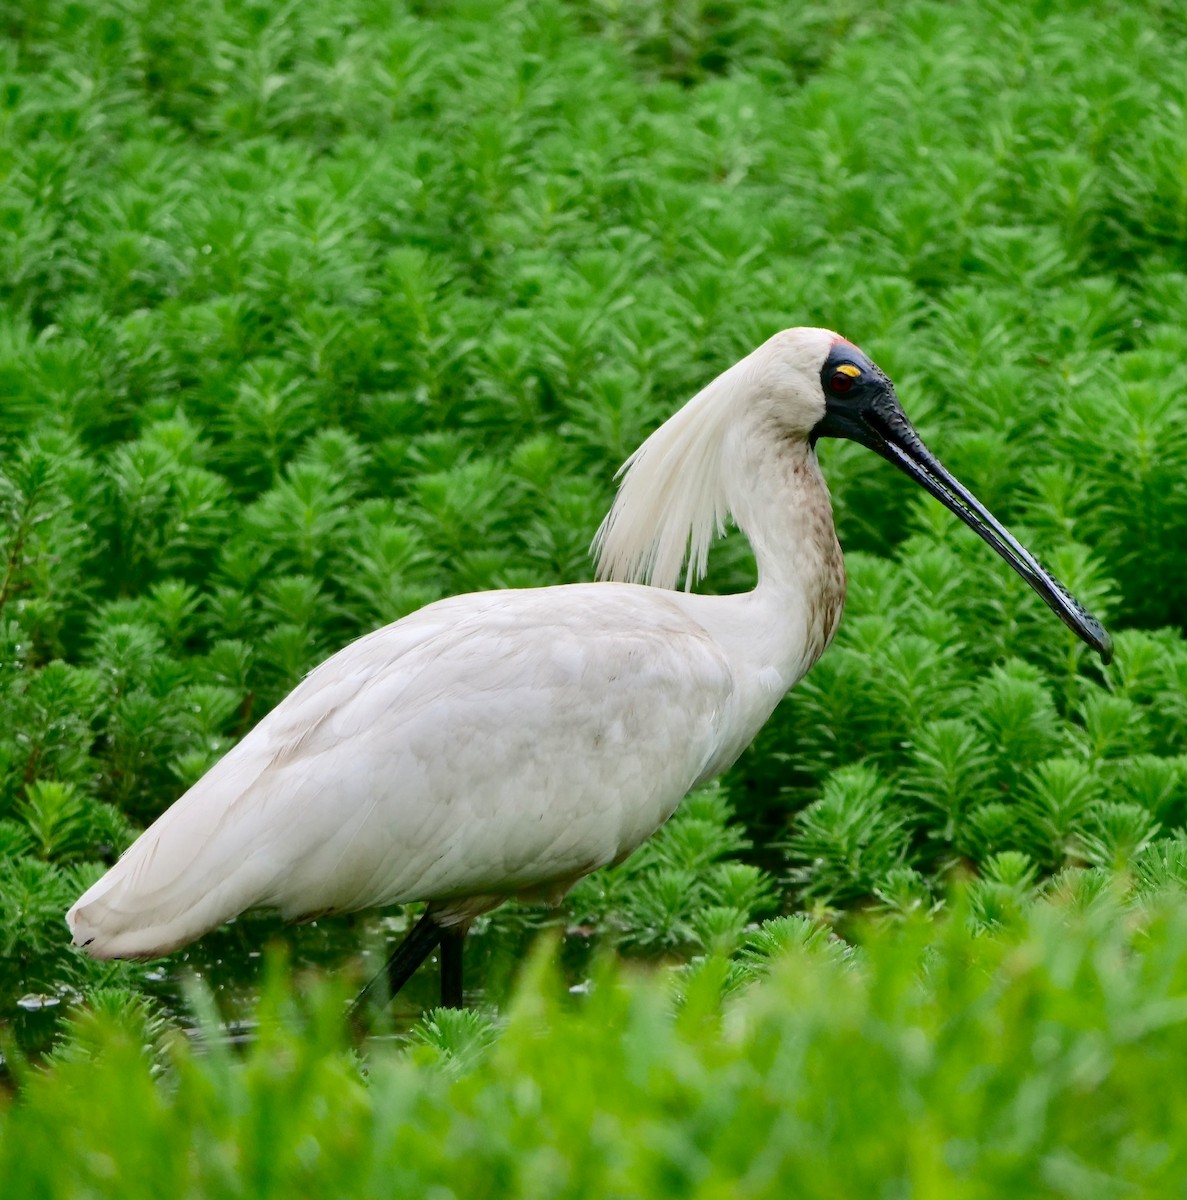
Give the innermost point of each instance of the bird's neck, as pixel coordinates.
(782, 505)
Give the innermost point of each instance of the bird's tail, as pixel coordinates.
(191, 870)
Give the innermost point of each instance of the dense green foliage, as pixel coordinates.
(313, 313)
(932, 1062)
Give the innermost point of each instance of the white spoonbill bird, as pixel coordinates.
(504, 744)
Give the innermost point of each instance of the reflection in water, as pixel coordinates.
(230, 962)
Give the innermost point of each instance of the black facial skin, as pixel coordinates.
(864, 409)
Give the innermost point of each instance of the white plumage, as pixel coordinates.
(449, 756)
(507, 743)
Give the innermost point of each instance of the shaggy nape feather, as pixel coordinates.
(672, 501)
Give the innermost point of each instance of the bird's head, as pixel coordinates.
(807, 383)
(822, 386)
(799, 386)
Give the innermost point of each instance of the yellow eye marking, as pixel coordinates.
(850, 370)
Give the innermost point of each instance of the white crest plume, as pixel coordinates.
(672, 501)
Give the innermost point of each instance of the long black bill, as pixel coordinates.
(902, 446)
(874, 418)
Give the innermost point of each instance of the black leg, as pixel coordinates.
(420, 942)
(452, 941)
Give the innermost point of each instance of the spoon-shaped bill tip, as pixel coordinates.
(1080, 621)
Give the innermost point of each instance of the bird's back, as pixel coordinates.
(482, 747)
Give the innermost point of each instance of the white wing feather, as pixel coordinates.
(484, 746)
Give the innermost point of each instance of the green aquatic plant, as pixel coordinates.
(1012, 1045)
(313, 314)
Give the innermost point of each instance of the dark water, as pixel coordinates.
(231, 962)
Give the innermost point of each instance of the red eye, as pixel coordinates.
(840, 382)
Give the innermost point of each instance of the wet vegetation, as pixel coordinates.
(931, 1060)
(314, 313)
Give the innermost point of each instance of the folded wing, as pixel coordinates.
(483, 746)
